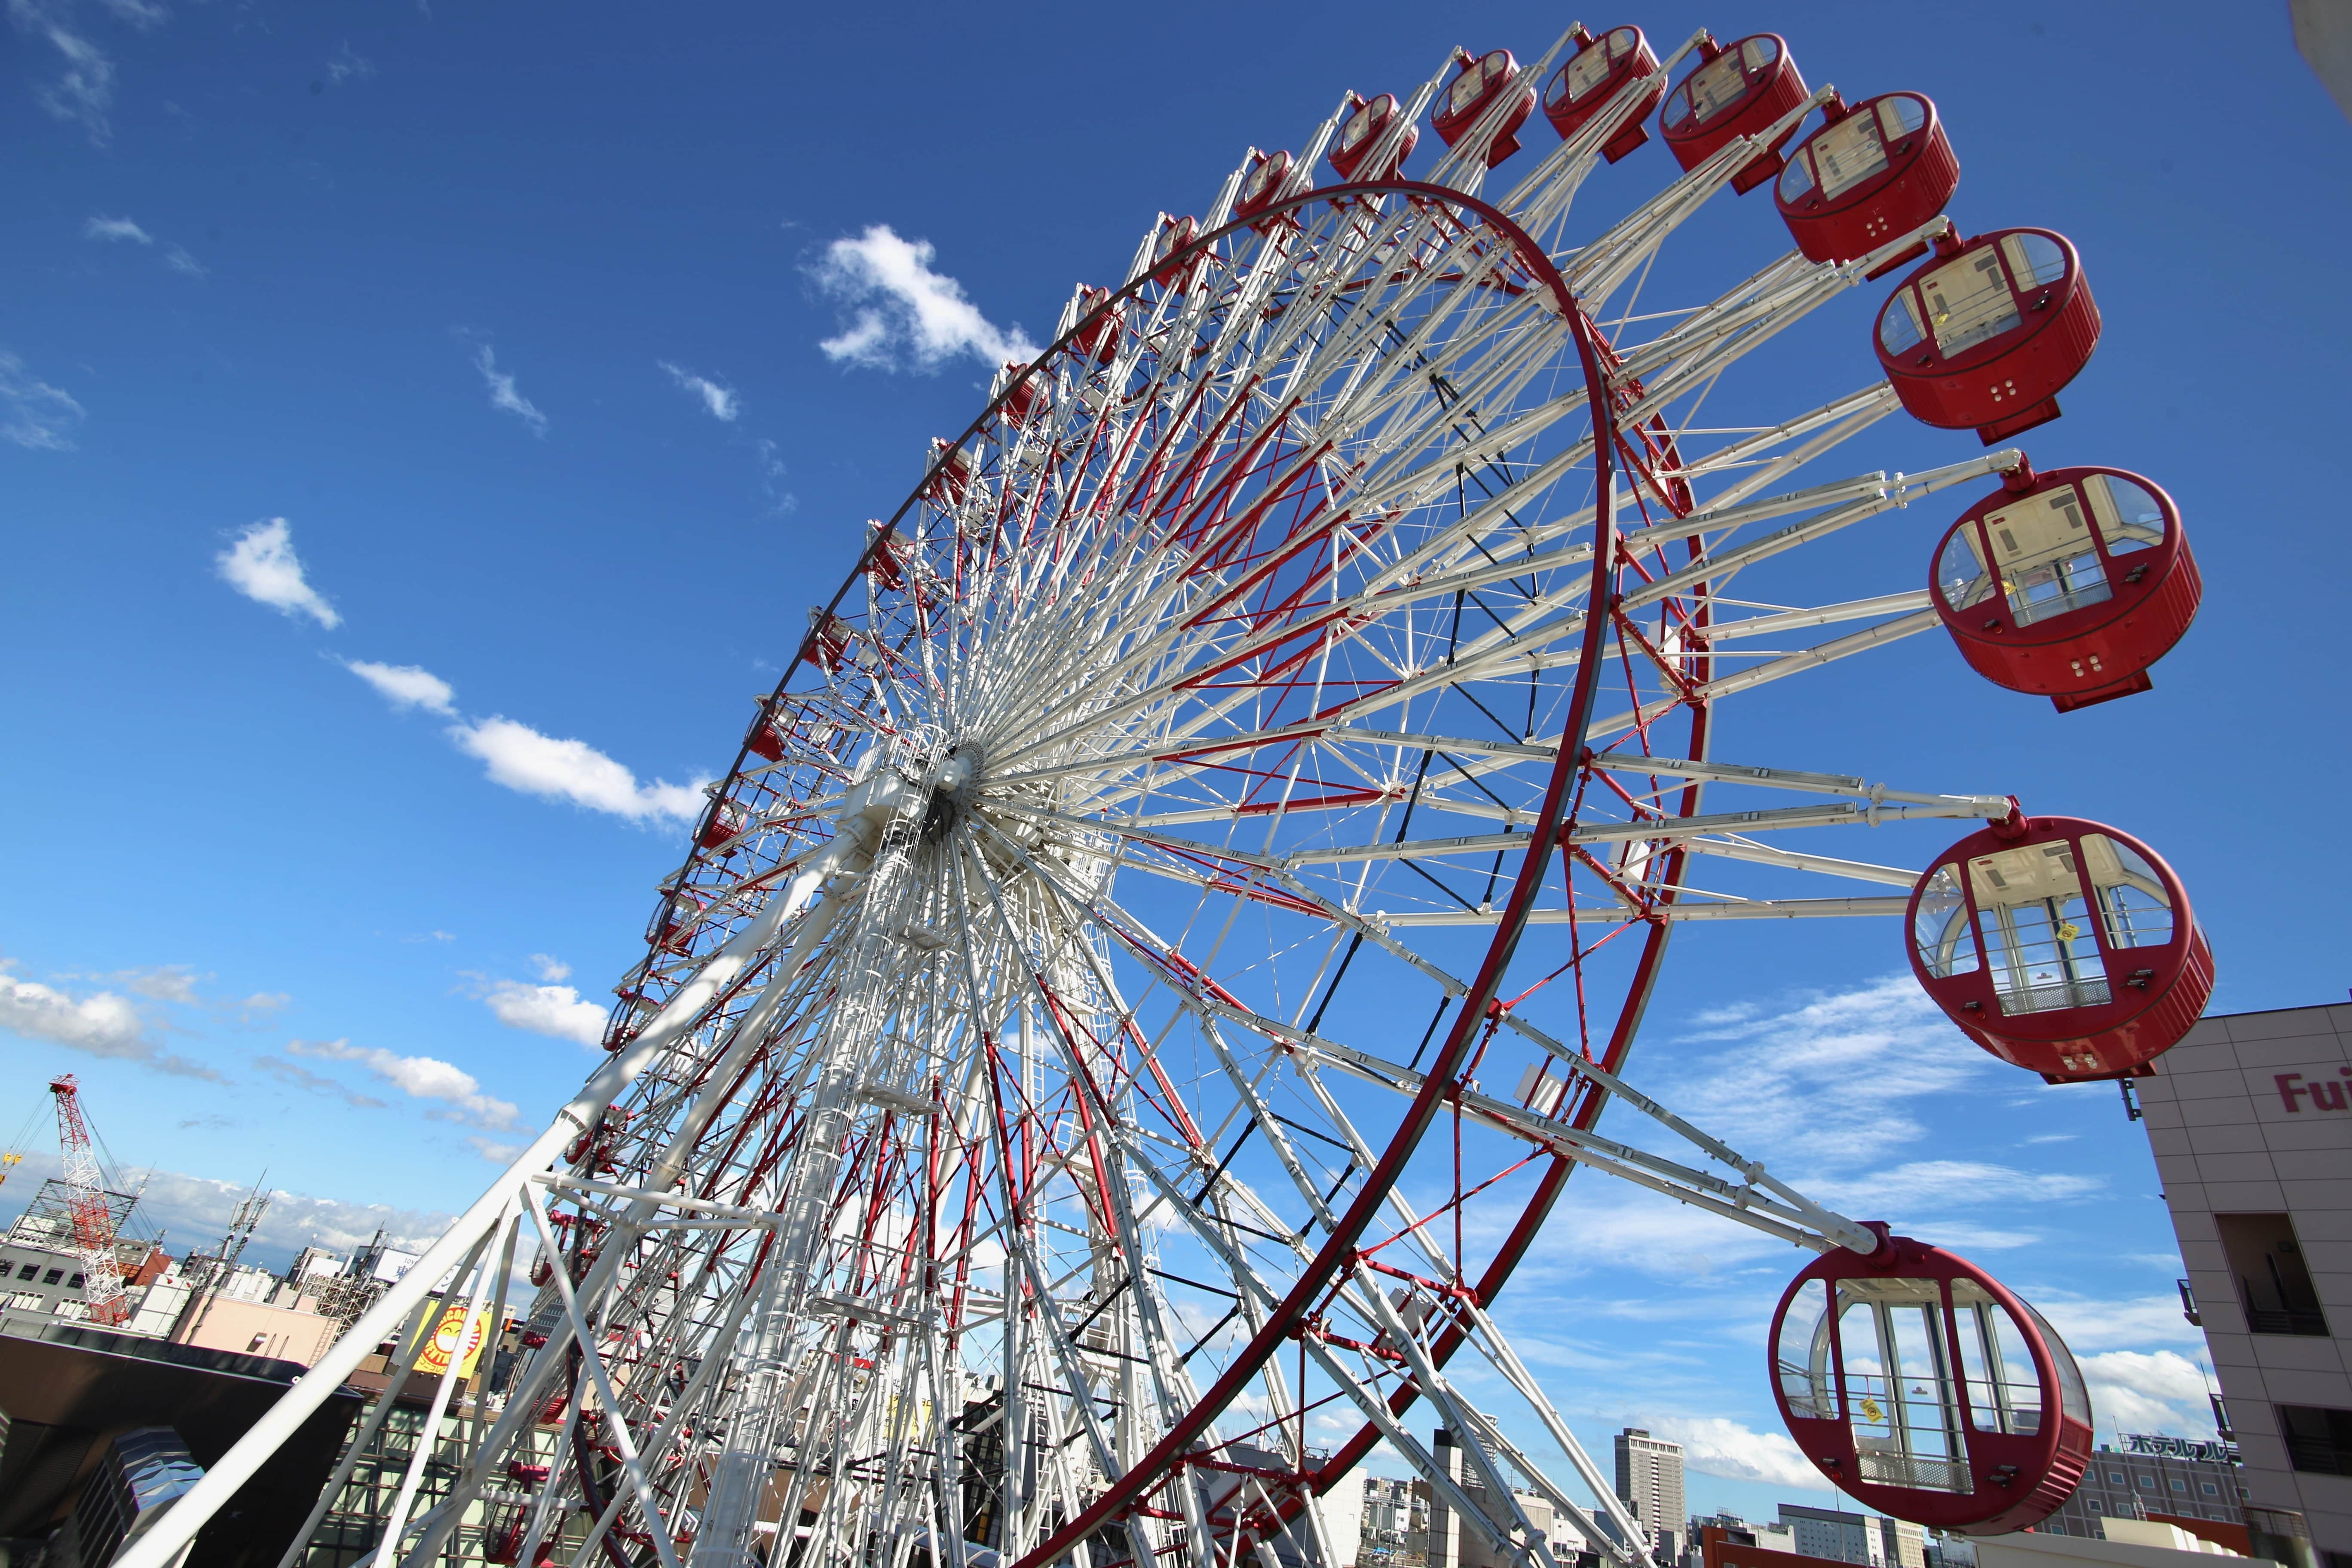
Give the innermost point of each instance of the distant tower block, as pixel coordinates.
(1650, 1482)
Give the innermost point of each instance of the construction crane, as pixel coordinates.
(93, 1220)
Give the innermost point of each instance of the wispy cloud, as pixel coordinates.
(901, 310)
(348, 65)
(101, 1023)
(261, 564)
(33, 413)
(309, 1082)
(419, 1078)
(503, 395)
(522, 759)
(1830, 1079)
(718, 399)
(406, 686)
(112, 229)
(771, 479)
(491, 1149)
(550, 968)
(83, 90)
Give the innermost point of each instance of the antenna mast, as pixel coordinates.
(94, 1221)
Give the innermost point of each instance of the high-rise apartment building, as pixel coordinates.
(2251, 1120)
(1839, 1536)
(1650, 1485)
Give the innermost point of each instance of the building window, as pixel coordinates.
(2317, 1441)
(2147, 1482)
(2273, 1285)
(74, 1283)
(53, 1276)
(2098, 1507)
(2178, 1485)
(27, 1271)
(2115, 1477)
(2210, 1490)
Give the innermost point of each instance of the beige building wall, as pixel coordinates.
(2250, 1115)
(250, 1328)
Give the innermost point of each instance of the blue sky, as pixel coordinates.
(418, 442)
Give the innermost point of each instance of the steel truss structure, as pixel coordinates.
(1161, 957)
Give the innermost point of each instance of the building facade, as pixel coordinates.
(2149, 1476)
(1834, 1534)
(1650, 1485)
(2251, 1121)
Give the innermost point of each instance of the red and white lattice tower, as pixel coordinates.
(94, 1221)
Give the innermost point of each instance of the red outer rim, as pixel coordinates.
(2058, 1451)
(2123, 1033)
(1469, 1019)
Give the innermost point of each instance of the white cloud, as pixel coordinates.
(262, 566)
(33, 413)
(420, 1078)
(771, 478)
(522, 759)
(407, 685)
(496, 1152)
(348, 65)
(549, 968)
(309, 1082)
(1933, 1185)
(113, 229)
(901, 305)
(554, 1010)
(199, 1207)
(164, 983)
(1716, 1446)
(2135, 1392)
(718, 400)
(116, 228)
(141, 14)
(2087, 1324)
(102, 1023)
(84, 90)
(1825, 1081)
(503, 395)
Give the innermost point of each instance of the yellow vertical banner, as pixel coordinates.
(453, 1339)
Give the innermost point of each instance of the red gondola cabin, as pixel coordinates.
(1736, 91)
(2068, 584)
(1264, 185)
(2061, 945)
(1484, 82)
(1988, 332)
(1590, 80)
(1363, 131)
(1873, 173)
(1175, 234)
(1923, 1387)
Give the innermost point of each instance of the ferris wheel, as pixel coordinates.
(1160, 958)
